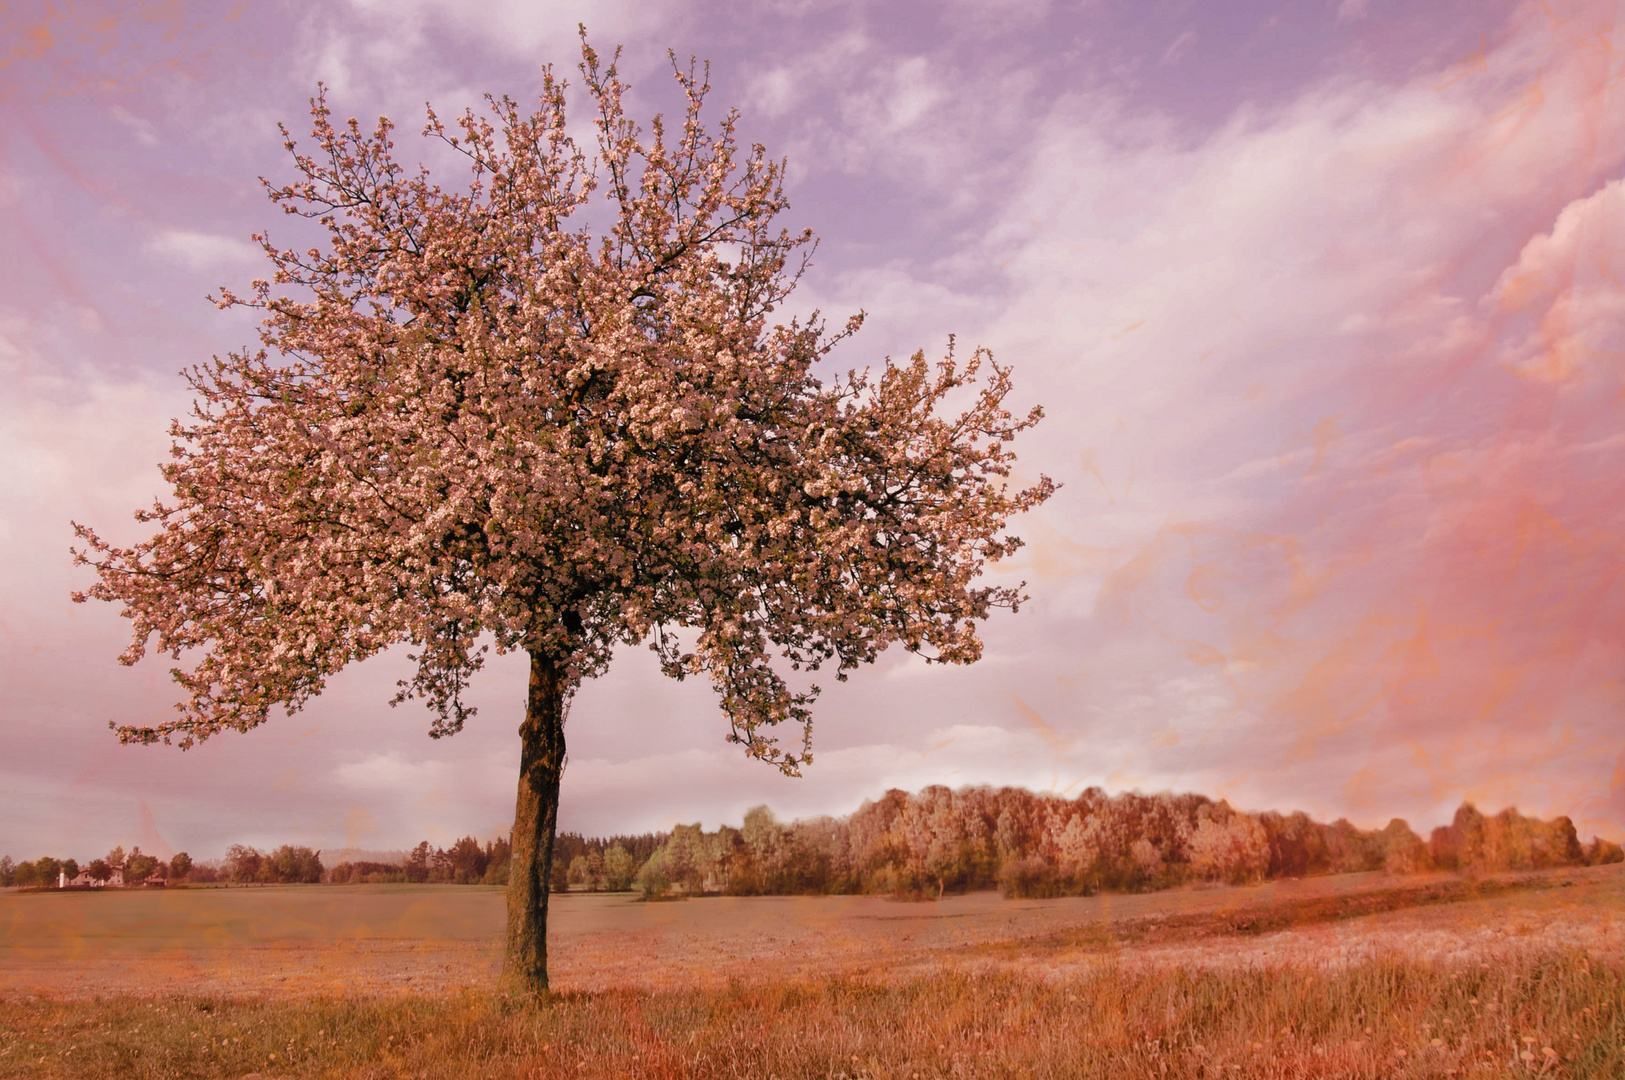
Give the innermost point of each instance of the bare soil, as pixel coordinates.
(422, 939)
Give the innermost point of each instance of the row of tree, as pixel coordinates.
(46, 871)
(601, 864)
(287, 865)
(466, 862)
(932, 842)
(1043, 845)
(591, 864)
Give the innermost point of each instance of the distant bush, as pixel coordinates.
(652, 877)
(1600, 852)
(619, 869)
(31, 873)
(615, 872)
(1028, 878)
(363, 872)
(1477, 844)
(139, 867)
(1403, 851)
(288, 865)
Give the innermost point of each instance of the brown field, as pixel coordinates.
(1279, 980)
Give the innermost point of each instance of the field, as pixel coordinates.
(1357, 975)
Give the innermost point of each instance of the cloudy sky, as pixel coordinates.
(1323, 300)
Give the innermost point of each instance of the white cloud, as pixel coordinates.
(390, 772)
(146, 134)
(526, 28)
(203, 251)
(1164, 284)
(1178, 48)
(979, 17)
(1352, 10)
(939, 128)
(772, 92)
(1567, 288)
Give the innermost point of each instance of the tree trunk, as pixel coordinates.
(536, 813)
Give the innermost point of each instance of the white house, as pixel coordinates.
(84, 878)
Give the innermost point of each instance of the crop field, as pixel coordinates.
(1355, 975)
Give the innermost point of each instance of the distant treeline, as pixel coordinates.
(133, 866)
(929, 843)
(602, 864)
(1031, 845)
(466, 862)
(595, 863)
(287, 865)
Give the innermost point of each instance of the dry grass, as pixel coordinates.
(1542, 1014)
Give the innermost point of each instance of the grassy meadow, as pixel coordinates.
(1514, 978)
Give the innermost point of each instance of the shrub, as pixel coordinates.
(653, 878)
(1601, 852)
(618, 869)
(1028, 878)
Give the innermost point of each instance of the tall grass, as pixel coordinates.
(1537, 1015)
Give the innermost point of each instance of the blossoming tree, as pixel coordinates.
(547, 413)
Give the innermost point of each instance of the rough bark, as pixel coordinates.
(536, 811)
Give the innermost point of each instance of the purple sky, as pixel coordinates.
(1325, 302)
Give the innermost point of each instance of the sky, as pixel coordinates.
(1323, 302)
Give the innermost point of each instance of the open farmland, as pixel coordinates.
(1275, 980)
(427, 938)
